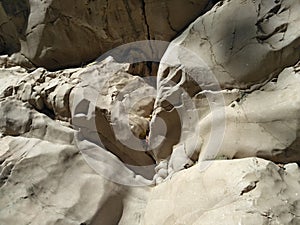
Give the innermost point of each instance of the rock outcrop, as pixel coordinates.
(224, 75)
(44, 178)
(44, 182)
(213, 139)
(95, 100)
(112, 108)
(246, 191)
(57, 35)
(243, 44)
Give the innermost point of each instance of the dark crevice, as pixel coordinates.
(5, 173)
(145, 19)
(280, 29)
(48, 112)
(29, 69)
(249, 188)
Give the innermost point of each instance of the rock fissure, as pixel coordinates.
(145, 20)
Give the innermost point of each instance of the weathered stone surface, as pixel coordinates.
(165, 19)
(13, 23)
(45, 91)
(16, 59)
(265, 123)
(18, 118)
(243, 44)
(112, 109)
(246, 191)
(60, 35)
(208, 76)
(44, 182)
(8, 78)
(119, 107)
(43, 177)
(71, 140)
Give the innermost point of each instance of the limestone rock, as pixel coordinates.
(16, 59)
(243, 44)
(246, 191)
(47, 92)
(15, 118)
(8, 78)
(18, 118)
(111, 109)
(117, 119)
(222, 59)
(262, 123)
(227, 91)
(60, 35)
(44, 178)
(44, 182)
(265, 123)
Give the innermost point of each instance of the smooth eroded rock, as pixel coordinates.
(44, 182)
(246, 191)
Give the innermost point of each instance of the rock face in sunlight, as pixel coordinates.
(43, 174)
(227, 86)
(45, 182)
(246, 191)
(244, 44)
(214, 138)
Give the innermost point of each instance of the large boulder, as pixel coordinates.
(212, 96)
(44, 182)
(263, 123)
(243, 44)
(245, 191)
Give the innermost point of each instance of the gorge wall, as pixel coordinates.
(212, 138)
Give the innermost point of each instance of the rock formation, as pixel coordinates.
(216, 80)
(228, 192)
(212, 139)
(57, 35)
